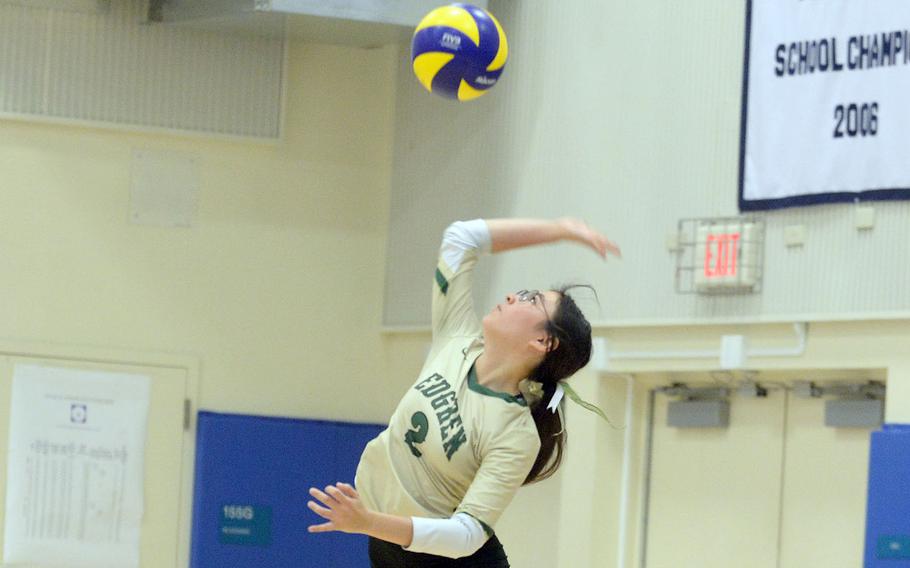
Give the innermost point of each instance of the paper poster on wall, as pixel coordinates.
(75, 464)
(824, 112)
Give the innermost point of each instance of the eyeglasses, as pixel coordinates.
(537, 299)
(532, 296)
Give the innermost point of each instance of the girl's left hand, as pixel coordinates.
(342, 508)
(579, 231)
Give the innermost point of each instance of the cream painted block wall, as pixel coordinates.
(628, 114)
(276, 288)
(273, 297)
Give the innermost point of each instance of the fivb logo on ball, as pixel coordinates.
(450, 41)
(459, 51)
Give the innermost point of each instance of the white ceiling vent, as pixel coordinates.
(111, 69)
(363, 23)
(85, 6)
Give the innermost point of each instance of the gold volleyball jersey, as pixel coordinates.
(452, 445)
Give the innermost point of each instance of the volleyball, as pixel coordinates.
(459, 51)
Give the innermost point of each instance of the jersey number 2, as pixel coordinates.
(418, 434)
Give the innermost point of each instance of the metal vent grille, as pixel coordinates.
(111, 68)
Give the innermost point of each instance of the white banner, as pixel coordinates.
(75, 468)
(825, 110)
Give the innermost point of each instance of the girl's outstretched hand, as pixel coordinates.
(341, 507)
(580, 232)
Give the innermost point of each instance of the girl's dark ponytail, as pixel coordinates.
(572, 335)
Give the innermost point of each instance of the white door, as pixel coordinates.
(823, 521)
(714, 499)
(777, 489)
(164, 454)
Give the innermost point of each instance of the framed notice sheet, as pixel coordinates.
(825, 113)
(75, 463)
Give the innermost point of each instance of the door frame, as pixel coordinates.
(191, 364)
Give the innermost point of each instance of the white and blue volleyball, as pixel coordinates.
(459, 51)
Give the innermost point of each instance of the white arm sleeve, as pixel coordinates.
(461, 236)
(460, 535)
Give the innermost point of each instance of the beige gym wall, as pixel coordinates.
(277, 285)
(273, 294)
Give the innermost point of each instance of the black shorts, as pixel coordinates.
(388, 555)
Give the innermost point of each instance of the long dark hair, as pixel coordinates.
(572, 334)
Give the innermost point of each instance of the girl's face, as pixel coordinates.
(522, 318)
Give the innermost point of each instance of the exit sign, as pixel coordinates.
(727, 256)
(720, 253)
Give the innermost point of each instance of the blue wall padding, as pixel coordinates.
(888, 503)
(263, 467)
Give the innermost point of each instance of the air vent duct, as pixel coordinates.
(352, 22)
